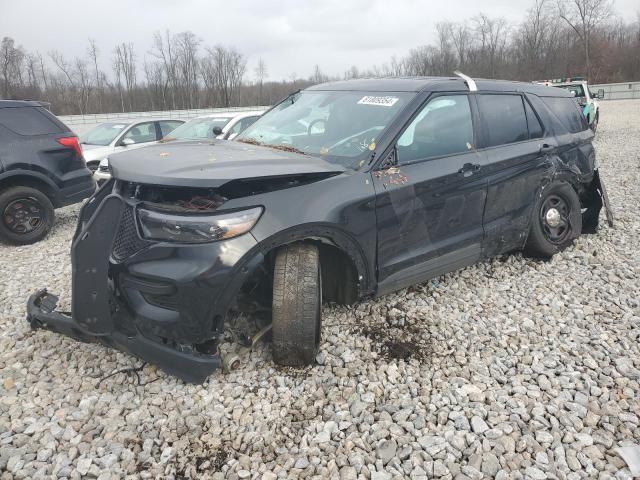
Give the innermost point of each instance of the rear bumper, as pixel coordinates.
(75, 187)
(158, 301)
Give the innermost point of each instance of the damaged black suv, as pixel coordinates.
(342, 191)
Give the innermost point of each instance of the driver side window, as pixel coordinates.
(443, 127)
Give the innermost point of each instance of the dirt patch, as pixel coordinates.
(209, 462)
(397, 336)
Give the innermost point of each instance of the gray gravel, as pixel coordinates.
(514, 369)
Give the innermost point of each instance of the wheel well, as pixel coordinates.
(339, 277)
(28, 181)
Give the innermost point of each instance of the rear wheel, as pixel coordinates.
(27, 215)
(297, 305)
(556, 222)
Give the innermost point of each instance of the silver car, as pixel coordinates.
(224, 126)
(107, 138)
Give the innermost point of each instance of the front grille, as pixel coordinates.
(127, 241)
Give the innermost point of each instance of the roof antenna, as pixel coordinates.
(470, 83)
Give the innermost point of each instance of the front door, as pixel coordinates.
(429, 205)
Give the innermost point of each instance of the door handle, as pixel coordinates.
(469, 168)
(547, 148)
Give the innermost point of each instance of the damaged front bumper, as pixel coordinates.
(188, 365)
(162, 302)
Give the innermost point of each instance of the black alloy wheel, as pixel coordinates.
(27, 215)
(554, 218)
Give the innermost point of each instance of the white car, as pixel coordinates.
(224, 126)
(108, 138)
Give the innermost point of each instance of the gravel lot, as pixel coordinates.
(510, 369)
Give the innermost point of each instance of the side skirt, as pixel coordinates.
(434, 267)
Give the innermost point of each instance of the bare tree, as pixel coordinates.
(164, 49)
(188, 64)
(318, 76)
(492, 35)
(93, 52)
(11, 59)
(156, 84)
(124, 67)
(222, 72)
(261, 74)
(74, 90)
(584, 17)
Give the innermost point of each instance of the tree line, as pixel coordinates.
(556, 38)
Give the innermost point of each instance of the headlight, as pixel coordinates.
(196, 228)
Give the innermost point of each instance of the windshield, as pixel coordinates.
(103, 134)
(340, 126)
(577, 90)
(198, 129)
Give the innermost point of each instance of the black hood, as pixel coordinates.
(211, 164)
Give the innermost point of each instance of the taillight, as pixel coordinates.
(71, 142)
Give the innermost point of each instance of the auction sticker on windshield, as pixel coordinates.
(380, 101)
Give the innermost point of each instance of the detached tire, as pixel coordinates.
(27, 215)
(297, 305)
(556, 221)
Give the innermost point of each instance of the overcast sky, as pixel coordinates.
(290, 35)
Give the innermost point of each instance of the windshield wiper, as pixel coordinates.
(284, 148)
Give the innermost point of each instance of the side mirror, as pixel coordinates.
(127, 141)
(217, 131)
(601, 93)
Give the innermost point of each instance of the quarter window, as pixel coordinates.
(568, 112)
(443, 127)
(504, 119)
(28, 121)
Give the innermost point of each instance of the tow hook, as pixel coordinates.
(231, 360)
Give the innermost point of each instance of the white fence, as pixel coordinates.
(618, 91)
(83, 123)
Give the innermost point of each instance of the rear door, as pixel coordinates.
(429, 206)
(512, 138)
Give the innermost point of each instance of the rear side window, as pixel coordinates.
(568, 112)
(504, 119)
(535, 129)
(28, 121)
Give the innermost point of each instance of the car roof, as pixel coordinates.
(435, 84)
(19, 103)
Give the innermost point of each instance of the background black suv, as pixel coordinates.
(41, 168)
